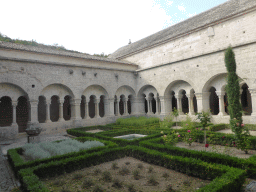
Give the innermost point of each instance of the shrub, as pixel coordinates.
(114, 166)
(97, 171)
(152, 180)
(87, 183)
(78, 176)
(124, 171)
(106, 176)
(117, 183)
(150, 169)
(167, 122)
(140, 166)
(137, 121)
(136, 174)
(98, 188)
(165, 175)
(131, 188)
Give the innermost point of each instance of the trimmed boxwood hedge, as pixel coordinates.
(18, 163)
(246, 164)
(224, 178)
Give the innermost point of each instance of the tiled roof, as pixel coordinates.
(217, 13)
(49, 50)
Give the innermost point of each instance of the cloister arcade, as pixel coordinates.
(57, 103)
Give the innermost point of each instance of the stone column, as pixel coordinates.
(190, 104)
(61, 119)
(47, 105)
(157, 107)
(14, 120)
(117, 107)
(253, 100)
(87, 111)
(162, 99)
(96, 102)
(203, 101)
(179, 104)
(75, 109)
(33, 114)
(221, 94)
(149, 106)
(126, 106)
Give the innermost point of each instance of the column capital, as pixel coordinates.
(179, 96)
(61, 101)
(252, 92)
(14, 103)
(202, 95)
(220, 93)
(111, 100)
(165, 97)
(33, 102)
(75, 101)
(48, 102)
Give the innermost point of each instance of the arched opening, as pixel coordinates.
(195, 104)
(174, 101)
(67, 108)
(129, 104)
(214, 101)
(41, 110)
(145, 103)
(22, 111)
(246, 100)
(82, 106)
(6, 112)
(152, 101)
(54, 109)
(184, 102)
(121, 104)
(92, 106)
(115, 106)
(101, 106)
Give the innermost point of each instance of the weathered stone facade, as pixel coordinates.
(175, 68)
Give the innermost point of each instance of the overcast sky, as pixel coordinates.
(94, 26)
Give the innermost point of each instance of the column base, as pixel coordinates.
(222, 114)
(32, 125)
(61, 120)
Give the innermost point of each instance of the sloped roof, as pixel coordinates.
(219, 12)
(52, 51)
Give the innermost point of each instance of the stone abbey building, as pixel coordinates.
(181, 66)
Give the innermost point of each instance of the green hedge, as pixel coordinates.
(223, 178)
(108, 135)
(18, 163)
(210, 157)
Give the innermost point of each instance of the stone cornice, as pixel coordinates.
(61, 64)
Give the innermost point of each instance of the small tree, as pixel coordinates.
(235, 107)
(204, 118)
(175, 113)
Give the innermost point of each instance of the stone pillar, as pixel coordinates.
(75, 109)
(33, 114)
(96, 102)
(47, 105)
(61, 119)
(253, 100)
(157, 107)
(165, 104)
(126, 106)
(87, 111)
(117, 107)
(190, 104)
(14, 120)
(109, 110)
(179, 104)
(203, 101)
(149, 100)
(138, 106)
(221, 94)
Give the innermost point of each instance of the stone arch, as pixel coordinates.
(96, 90)
(146, 89)
(59, 90)
(176, 96)
(11, 90)
(6, 111)
(125, 90)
